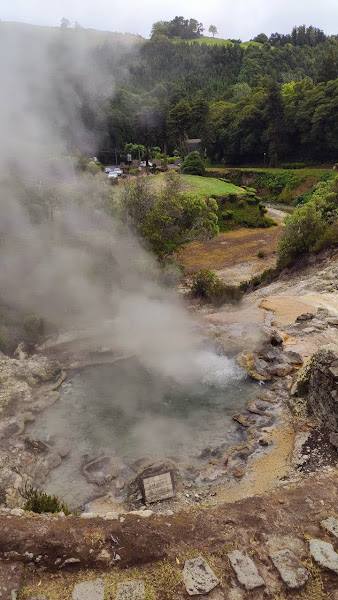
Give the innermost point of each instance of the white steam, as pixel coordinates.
(79, 268)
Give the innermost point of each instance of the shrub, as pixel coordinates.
(261, 254)
(208, 286)
(4, 341)
(193, 164)
(40, 502)
(34, 327)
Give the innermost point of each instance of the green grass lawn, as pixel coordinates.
(201, 186)
(207, 186)
(210, 41)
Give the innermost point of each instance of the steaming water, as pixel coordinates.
(124, 411)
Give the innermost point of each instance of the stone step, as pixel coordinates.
(324, 554)
(198, 576)
(290, 568)
(331, 526)
(245, 570)
(11, 579)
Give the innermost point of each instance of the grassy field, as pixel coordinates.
(208, 186)
(210, 41)
(307, 172)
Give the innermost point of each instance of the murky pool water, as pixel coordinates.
(122, 410)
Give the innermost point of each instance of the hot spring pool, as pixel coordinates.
(122, 410)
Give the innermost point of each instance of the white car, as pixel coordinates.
(143, 163)
(112, 175)
(107, 169)
(118, 171)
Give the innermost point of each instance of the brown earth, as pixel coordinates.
(233, 254)
(154, 549)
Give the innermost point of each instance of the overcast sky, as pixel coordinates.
(234, 19)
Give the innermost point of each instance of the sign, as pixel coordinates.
(158, 487)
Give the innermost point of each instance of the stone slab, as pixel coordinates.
(130, 590)
(290, 568)
(11, 579)
(324, 554)
(331, 525)
(89, 590)
(158, 487)
(245, 570)
(198, 576)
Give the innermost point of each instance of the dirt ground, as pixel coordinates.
(154, 549)
(233, 255)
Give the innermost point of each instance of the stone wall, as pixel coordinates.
(317, 382)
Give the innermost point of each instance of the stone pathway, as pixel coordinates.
(89, 590)
(324, 554)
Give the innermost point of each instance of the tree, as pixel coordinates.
(274, 114)
(179, 121)
(160, 28)
(193, 164)
(168, 219)
(65, 23)
(213, 30)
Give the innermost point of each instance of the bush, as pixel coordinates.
(40, 502)
(208, 286)
(193, 164)
(261, 254)
(34, 327)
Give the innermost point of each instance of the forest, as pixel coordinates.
(274, 100)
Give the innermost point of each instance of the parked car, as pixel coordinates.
(107, 169)
(112, 175)
(143, 163)
(118, 171)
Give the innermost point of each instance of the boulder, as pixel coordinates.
(305, 317)
(331, 525)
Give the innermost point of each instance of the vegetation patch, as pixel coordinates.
(207, 286)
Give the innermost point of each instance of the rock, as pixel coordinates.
(198, 577)
(88, 515)
(11, 579)
(100, 470)
(89, 590)
(238, 473)
(130, 590)
(331, 525)
(308, 330)
(243, 420)
(333, 322)
(141, 513)
(104, 556)
(245, 570)
(305, 317)
(324, 554)
(294, 358)
(38, 597)
(21, 352)
(281, 370)
(333, 437)
(276, 339)
(290, 568)
(17, 512)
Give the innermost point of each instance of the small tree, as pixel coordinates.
(65, 23)
(193, 164)
(213, 30)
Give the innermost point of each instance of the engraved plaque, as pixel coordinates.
(158, 487)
